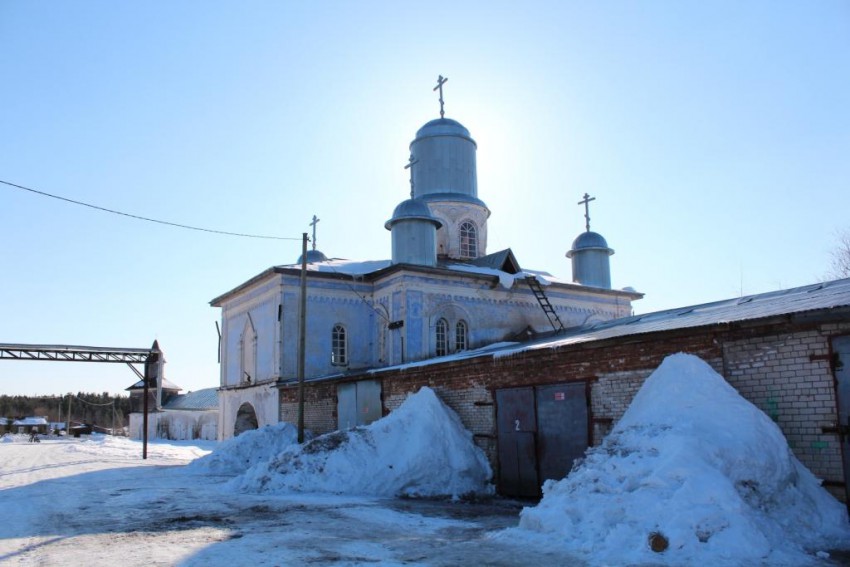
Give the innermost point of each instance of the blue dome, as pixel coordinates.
(444, 127)
(588, 241)
(314, 256)
(412, 209)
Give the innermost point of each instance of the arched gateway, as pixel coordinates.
(246, 419)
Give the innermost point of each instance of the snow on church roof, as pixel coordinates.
(363, 268)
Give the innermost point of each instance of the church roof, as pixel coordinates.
(503, 260)
(206, 399)
(371, 270)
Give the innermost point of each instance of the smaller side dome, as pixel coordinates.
(313, 256)
(589, 241)
(590, 260)
(414, 234)
(412, 209)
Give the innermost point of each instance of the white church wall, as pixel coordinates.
(264, 400)
(262, 307)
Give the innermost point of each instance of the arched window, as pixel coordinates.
(468, 240)
(339, 346)
(248, 353)
(460, 336)
(442, 336)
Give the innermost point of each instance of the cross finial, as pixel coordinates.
(440, 82)
(586, 202)
(313, 224)
(410, 163)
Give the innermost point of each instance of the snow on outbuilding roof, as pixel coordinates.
(825, 296)
(205, 399)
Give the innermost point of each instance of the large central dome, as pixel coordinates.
(445, 154)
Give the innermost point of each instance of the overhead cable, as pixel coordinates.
(178, 225)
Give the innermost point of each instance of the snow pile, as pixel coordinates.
(7, 438)
(250, 448)
(695, 463)
(419, 450)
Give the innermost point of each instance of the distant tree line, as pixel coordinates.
(86, 407)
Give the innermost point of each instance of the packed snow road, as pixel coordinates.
(95, 502)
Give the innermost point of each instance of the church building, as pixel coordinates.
(440, 293)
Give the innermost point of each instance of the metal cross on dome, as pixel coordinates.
(410, 163)
(586, 202)
(440, 82)
(313, 224)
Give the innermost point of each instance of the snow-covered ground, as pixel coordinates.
(95, 502)
(690, 461)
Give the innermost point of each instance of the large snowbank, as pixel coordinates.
(694, 461)
(244, 451)
(421, 449)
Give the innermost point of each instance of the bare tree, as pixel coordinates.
(840, 267)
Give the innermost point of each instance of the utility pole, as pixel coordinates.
(68, 426)
(151, 367)
(302, 332)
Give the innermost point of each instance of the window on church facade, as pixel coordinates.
(468, 240)
(442, 336)
(460, 336)
(339, 346)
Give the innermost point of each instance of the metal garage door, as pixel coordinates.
(358, 403)
(541, 431)
(517, 426)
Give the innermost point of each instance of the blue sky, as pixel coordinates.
(714, 136)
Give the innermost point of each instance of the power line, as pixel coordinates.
(178, 225)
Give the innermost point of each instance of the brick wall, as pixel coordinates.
(788, 376)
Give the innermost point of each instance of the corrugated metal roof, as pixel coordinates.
(205, 399)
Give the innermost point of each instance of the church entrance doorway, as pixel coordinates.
(246, 419)
(541, 431)
(841, 368)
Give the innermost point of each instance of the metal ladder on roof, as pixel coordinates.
(538, 292)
